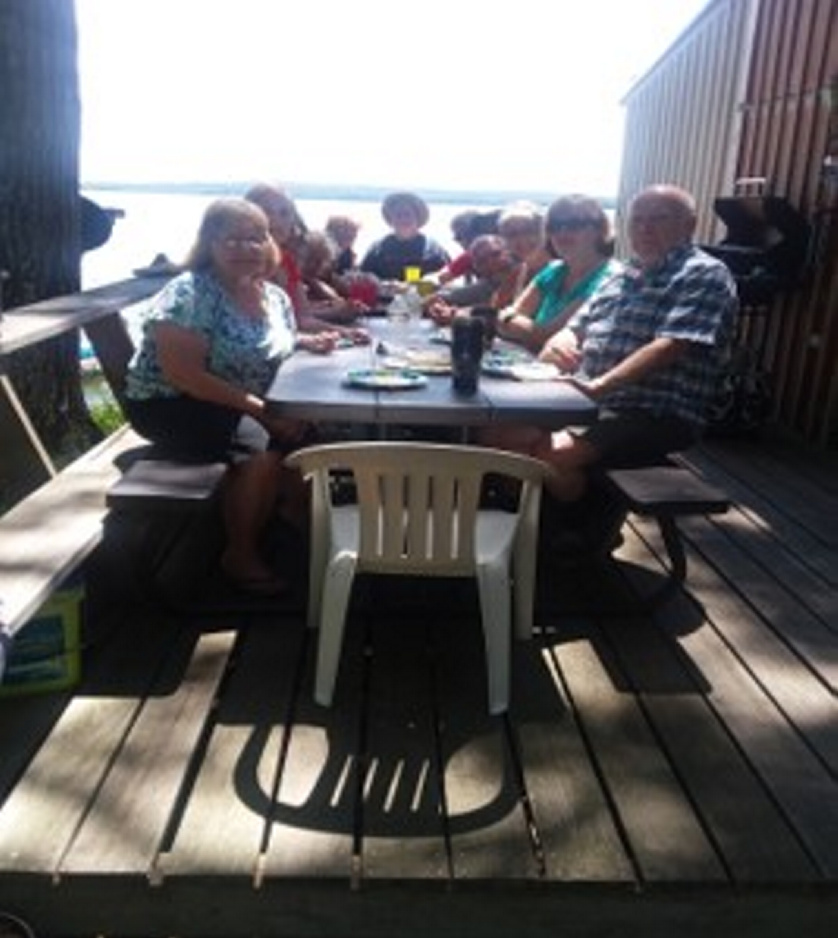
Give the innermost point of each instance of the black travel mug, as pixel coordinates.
(466, 353)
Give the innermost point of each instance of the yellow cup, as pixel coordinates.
(412, 274)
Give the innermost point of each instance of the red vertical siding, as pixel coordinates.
(785, 136)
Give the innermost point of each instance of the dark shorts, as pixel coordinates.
(187, 429)
(628, 439)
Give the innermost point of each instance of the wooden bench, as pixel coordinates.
(666, 493)
(150, 484)
(51, 532)
(57, 525)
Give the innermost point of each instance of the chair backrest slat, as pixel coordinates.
(417, 512)
(420, 511)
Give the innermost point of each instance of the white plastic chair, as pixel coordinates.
(417, 513)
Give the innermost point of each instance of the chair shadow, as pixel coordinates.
(376, 764)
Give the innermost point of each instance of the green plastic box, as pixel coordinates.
(46, 653)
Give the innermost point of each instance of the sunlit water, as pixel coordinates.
(164, 223)
(167, 223)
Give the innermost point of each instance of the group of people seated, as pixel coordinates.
(645, 337)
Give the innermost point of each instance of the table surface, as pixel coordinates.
(313, 387)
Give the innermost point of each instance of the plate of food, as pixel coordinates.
(500, 363)
(425, 361)
(386, 379)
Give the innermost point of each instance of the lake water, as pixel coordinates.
(166, 223)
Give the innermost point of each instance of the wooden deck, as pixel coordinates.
(674, 773)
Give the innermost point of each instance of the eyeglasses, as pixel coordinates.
(568, 224)
(237, 242)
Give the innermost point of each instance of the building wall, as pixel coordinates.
(749, 91)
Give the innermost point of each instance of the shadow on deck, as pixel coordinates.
(656, 772)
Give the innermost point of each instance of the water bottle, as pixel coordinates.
(413, 301)
(466, 353)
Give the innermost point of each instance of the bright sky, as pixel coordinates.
(455, 94)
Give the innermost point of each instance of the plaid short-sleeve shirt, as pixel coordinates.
(690, 296)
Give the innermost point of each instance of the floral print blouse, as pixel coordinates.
(242, 350)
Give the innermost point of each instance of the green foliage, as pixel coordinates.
(103, 406)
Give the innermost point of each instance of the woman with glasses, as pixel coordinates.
(579, 235)
(212, 341)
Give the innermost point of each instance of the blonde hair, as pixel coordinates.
(340, 225)
(271, 199)
(520, 215)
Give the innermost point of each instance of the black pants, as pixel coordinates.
(185, 428)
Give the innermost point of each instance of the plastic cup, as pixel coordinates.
(412, 274)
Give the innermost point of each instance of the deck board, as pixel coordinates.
(781, 715)
(795, 664)
(659, 772)
(578, 837)
(124, 828)
(313, 819)
(223, 827)
(487, 824)
(666, 840)
(40, 818)
(703, 754)
(404, 823)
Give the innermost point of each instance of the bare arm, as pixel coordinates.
(517, 322)
(654, 356)
(182, 354)
(519, 316)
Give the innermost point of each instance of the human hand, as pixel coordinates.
(320, 343)
(356, 335)
(562, 349)
(441, 312)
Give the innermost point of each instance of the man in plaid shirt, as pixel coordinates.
(649, 347)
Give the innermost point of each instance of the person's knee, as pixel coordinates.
(571, 452)
(260, 469)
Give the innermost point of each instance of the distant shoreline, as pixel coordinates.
(337, 192)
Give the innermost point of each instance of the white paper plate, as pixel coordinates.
(535, 371)
(426, 361)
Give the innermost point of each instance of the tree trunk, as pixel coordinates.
(39, 205)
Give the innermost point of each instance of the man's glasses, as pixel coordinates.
(568, 224)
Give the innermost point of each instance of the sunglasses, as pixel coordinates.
(568, 224)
